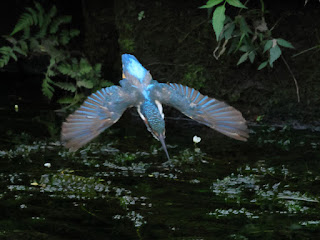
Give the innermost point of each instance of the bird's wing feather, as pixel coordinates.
(209, 111)
(101, 110)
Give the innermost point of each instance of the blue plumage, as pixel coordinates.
(131, 66)
(103, 108)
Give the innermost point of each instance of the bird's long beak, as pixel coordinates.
(161, 139)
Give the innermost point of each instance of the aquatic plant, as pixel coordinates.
(248, 188)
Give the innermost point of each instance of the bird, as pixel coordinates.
(138, 89)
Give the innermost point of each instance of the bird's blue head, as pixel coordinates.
(132, 67)
(152, 115)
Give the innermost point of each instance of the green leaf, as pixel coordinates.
(40, 13)
(105, 83)
(85, 66)
(66, 86)
(236, 3)
(240, 42)
(218, 20)
(243, 58)
(85, 83)
(4, 60)
(58, 21)
(74, 33)
(229, 30)
(211, 3)
(267, 46)
(39, 7)
(64, 68)
(64, 37)
(244, 48)
(263, 65)
(52, 61)
(5, 50)
(50, 73)
(25, 20)
(34, 15)
(284, 43)
(275, 53)
(19, 50)
(47, 89)
(2, 63)
(79, 97)
(43, 29)
(52, 11)
(244, 28)
(26, 33)
(252, 56)
(97, 67)
(65, 100)
(34, 44)
(23, 45)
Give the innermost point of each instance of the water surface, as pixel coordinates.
(121, 187)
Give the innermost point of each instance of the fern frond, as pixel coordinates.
(47, 89)
(19, 50)
(53, 11)
(64, 37)
(64, 68)
(66, 86)
(104, 83)
(84, 66)
(66, 100)
(10, 39)
(50, 73)
(44, 27)
(5, 50)
(14, 56)
(74, 33)
(85, 83)
(75, 69)
(41, 13)
(58, 21)
(34, 44)
(97, 67)
(79, 97)
(23, 46)
(26, 20)
(4, 60)
(26, 33)
(34, 15)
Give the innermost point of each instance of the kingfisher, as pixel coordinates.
(138, 89)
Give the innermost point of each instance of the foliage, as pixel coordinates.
(127, 44)
(41, 32)
(252, 40)
(194, 76)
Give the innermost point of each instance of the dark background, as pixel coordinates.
(175, 41)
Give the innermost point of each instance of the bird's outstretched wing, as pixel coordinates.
(209, 111)
(102, 109)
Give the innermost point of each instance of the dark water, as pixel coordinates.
(121, 187)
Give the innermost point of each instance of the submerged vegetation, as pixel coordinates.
(106, 185)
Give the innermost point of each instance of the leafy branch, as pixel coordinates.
(42, 32)
(252, 40)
